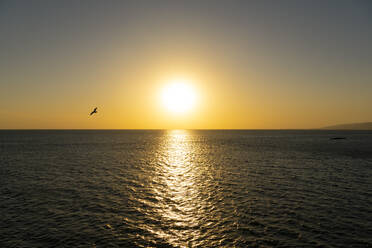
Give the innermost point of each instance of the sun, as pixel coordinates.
(179, 96)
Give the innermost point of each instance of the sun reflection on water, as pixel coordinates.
(180, 208)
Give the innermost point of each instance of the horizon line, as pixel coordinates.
(164, 129)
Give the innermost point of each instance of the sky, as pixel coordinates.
(252, 64)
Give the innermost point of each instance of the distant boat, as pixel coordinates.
(338, 138)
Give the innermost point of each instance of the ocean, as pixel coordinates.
(185, 188)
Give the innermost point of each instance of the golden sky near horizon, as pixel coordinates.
(246, 71)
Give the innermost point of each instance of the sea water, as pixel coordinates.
(185, 188)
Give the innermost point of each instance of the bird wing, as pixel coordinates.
(94, 111)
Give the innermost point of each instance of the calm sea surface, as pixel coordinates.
(185, 189)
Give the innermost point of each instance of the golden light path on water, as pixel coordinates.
(179, 190)
(177, 195)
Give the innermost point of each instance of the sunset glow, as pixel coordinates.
(190, 65)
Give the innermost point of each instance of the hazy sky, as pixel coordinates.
(254, 64)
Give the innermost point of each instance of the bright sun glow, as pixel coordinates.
(179, 96)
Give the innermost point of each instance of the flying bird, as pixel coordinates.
(94, 111)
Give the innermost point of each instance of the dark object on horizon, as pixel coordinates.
(351, 126)
(338, 138)
(94, 111)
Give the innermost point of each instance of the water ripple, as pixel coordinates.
(184, 189)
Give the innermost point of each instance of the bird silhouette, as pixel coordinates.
(94, 111)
